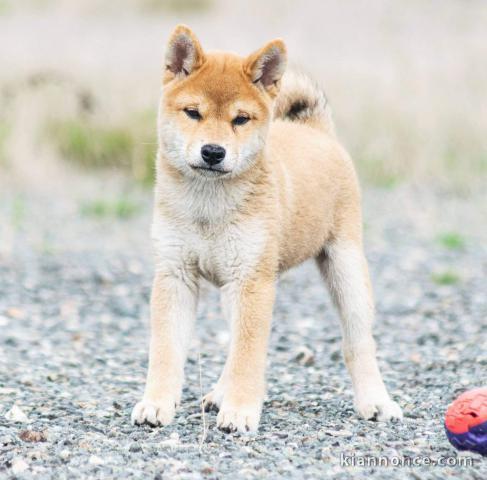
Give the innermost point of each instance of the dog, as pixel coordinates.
(250, 181)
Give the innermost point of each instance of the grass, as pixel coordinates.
(121, 208)
(18, 211)
(93, 146)
(396, 142)
(375, 171)
(4, 132)
(4, 7)
(102, 6)
(448, 277)
(379, 139)
(176, 6)
(130, 146)
(7, 6)
(451, 241)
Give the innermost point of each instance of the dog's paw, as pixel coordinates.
(243, 419)
(381, 409)
(213, 400)
(153, 413)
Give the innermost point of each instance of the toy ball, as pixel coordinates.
(466, 421)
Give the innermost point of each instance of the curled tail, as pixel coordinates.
(301, 100)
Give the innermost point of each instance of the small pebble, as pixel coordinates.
(19, 465)
(16, 414)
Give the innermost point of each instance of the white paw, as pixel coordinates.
(380, 408)
(239, 419)
(153, 413)
(213, 399)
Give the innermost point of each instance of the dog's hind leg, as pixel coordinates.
(344, 269)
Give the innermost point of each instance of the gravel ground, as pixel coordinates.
(74, 335)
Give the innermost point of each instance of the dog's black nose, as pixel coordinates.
(212, 154)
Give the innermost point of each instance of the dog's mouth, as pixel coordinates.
(210, 171)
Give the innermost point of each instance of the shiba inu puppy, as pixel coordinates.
(251, 181)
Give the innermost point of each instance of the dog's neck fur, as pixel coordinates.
(207, 202)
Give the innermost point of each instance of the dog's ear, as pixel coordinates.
(184, 53)
(266, 66)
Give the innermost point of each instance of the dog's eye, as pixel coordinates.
(240, 120)
(192, 113)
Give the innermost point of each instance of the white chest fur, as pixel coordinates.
(206, 238)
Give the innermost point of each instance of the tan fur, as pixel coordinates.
(287, 191)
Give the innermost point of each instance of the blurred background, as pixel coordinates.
(80, 80)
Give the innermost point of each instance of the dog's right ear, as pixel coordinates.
(184, 54)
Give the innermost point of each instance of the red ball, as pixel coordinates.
(466, 421)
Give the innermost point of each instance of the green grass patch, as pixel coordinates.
(18, 211)
(5, 7)
(130, 147)
(463, 158)
(465, 155)
(92, 146)
(448, 277)
(452, 241)
(121, 208)
(377, 172)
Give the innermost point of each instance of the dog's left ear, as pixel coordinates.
(184, 53)
(266, 66)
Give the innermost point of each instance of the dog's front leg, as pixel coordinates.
(244, 376)
(173, 309)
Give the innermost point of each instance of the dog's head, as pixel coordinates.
(216, 107)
